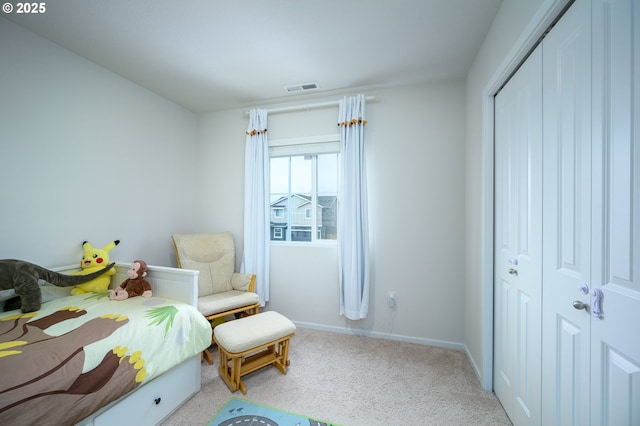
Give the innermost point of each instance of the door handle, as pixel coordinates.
(579, 305)
(596, 300)
(513, 271)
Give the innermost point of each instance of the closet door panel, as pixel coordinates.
(566, 265)
(616, 215)
(518, 228)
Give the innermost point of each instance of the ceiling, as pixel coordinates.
(212, 54)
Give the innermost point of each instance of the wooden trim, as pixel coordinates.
(250, 309)
(175, 250)
(206, 355)
(252, 284)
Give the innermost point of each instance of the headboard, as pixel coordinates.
(172, 283)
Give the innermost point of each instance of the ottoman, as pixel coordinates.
(248, 344)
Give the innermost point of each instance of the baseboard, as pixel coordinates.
(474, 365)
(387, 336)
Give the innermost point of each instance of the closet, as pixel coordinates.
(567, 223)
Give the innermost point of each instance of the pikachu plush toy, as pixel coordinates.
(95, 259)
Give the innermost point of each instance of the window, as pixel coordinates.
(277, 234)
(304, 189)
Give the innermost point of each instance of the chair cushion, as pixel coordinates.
(221, 302)
(215, 276)
(241, 281)
(253, 331)
(212, 254)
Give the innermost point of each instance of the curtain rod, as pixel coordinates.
(306, 107)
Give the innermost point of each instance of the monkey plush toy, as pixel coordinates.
(135, 285)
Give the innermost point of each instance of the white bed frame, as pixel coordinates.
(151, 403)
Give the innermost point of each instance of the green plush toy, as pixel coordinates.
(94, 259)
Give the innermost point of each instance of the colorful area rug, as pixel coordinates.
(240, 412)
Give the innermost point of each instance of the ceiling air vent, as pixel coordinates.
(302, 87)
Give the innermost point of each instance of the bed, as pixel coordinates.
(89, 360)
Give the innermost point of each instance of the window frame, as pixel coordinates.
(307, 146)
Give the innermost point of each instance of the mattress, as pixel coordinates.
(79, 353)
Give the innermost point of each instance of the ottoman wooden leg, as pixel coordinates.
(285, 352)
(227, 371)
(236, 366)
(281, 350)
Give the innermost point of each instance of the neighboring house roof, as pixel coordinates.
(304, 199)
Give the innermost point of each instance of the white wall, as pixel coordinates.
(514, 31)
(415, 160)
(87, 155)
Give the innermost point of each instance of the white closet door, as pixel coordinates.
(615, 355)
(567, 218)
(518, 246)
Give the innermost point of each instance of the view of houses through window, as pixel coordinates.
(304, 197)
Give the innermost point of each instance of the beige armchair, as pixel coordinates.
(221, 291)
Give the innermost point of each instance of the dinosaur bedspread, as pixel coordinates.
(79, 353)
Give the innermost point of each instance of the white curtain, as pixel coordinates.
(255, 259)
(353, 239)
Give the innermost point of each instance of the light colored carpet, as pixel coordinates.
(358, 381)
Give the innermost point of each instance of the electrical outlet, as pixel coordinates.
(392, 299)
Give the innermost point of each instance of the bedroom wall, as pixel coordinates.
(415, 161)
(88, 155)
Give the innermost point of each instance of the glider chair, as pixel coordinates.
(221, 291)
